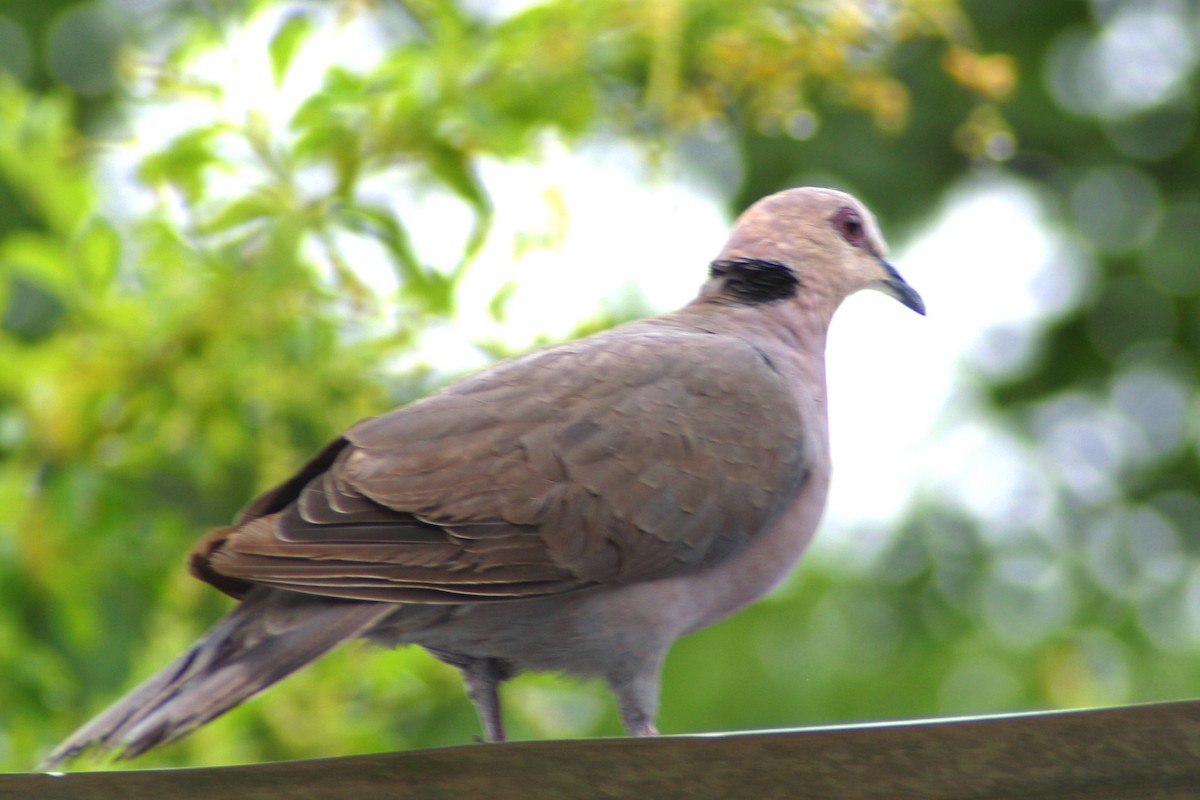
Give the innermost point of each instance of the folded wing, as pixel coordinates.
(627, 456)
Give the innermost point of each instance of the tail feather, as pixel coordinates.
(268, 636)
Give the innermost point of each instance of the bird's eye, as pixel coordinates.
(850, 225)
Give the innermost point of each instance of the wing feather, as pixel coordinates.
(626, 456)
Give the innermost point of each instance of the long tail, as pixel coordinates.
(269, 635)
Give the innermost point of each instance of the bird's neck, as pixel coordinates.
(795, 328)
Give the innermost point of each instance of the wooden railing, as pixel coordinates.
(1130, 753)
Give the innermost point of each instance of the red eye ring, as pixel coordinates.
(849, 224)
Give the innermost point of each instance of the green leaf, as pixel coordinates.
(97, 253)
(286, 43)
(184, 161)
(244, 210)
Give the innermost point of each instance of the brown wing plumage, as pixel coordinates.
(625, 456)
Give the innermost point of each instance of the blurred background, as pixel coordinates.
(230, 228)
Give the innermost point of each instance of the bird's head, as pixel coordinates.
(820, 244)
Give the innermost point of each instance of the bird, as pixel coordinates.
(575, 510)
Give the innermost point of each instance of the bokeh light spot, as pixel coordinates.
(1115, 207)
(82, 48)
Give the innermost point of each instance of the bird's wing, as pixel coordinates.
(625, 456)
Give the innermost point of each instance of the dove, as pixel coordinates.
(573, 510)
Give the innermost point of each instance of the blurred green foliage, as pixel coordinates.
(184, 316)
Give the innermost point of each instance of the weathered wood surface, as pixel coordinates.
(1144, 752)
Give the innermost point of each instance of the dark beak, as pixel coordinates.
(898, 288)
